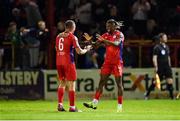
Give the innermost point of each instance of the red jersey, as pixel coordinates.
(65, 49)
(114, 53)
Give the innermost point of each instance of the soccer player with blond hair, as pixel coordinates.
(66, 42)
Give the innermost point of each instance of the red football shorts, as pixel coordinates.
(67, 72)
(115, 69)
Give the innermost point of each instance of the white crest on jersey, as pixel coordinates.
(163, 52)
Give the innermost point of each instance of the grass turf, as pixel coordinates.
(132, 109)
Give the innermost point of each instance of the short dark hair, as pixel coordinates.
(69, 23)
(161, 35)
(156, 38)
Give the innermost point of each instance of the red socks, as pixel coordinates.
(60, 95)
(72, 98)
(97, 95)
(120, 99)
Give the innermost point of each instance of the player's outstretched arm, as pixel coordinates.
(81, 51)
(100, 38)
(89, 39)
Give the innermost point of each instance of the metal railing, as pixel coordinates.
(140, 46)
(147, 45)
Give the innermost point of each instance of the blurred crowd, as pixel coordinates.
(26, 36)
(142, 18)
(24, 24)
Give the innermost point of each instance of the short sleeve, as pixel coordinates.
(120, 37)
(155, 50)
(75, 42)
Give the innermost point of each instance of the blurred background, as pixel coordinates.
(28, 29)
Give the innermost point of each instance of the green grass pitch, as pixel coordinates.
(132, 109)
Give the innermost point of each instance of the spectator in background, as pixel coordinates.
(18, 15)
(13, 36)
(34, 44)
(99, 13)
(91, 60)
(113, 13)
(60, 27)
(84, 21)
(12, 55)
(153, 13)
(152, 29)
(43, 37)
(61, 9)
(94, 60)
(30, 46)
(32, 12)
(8, 51)
(129, 57)
(140, 15)
(100, 53)
(84, 17)
(25, 58)
(73, 4)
